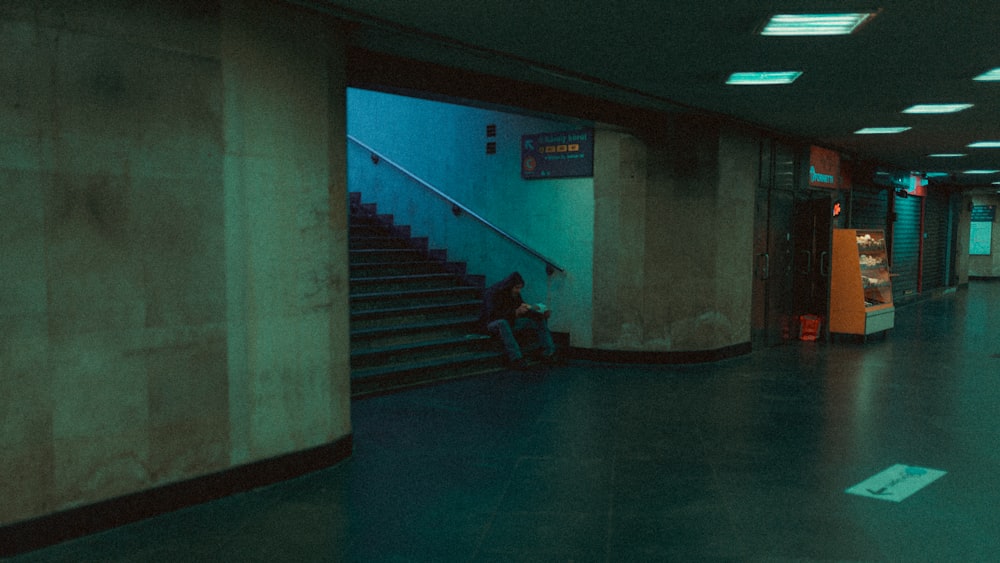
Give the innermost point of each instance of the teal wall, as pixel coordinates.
(657, 245)
(445, 145)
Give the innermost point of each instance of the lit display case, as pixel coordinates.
(860, 286)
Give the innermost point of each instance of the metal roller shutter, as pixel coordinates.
(936, 241)
(905, 258)
(869, 208)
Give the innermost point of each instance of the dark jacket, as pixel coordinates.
(498, 303)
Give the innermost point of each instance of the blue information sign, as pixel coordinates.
(981, 230)
(984, 213)
(568, 154)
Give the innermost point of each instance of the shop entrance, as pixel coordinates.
(771, 308)
(792, 243)
(812, 228)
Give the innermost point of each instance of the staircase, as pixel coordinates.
(413, 313)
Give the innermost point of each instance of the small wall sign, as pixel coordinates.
(824, 168)
(984, 213)
(567, 154)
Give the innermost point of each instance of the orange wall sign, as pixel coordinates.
(915, 185)
(824, 168)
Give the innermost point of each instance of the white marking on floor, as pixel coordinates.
(896, 483)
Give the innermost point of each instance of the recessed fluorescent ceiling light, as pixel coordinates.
(761, 78)
(935, 174)
(936, 108)
(985, 145)
(881, 130)
(981, 171)
(814, 24)
(989, 76)
(947, 155)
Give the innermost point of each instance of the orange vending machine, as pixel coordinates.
(860, 287)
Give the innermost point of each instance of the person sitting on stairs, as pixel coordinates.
(505, 315)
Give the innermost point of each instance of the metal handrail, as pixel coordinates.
(550, 266)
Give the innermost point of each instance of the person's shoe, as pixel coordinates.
(551, 360)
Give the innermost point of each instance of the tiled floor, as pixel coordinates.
(743, 460)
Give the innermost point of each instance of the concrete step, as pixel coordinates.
(374, 241)
(367, 256)
(381, 380)
(408, 268)
(377, 224)
(413, 313)
(382, 336)
(383, 284)
(365, 227)
(424, 350)
(390, 316)
(423, 296)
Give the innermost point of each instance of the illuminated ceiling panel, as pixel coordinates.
(787, 25)
(762, 78)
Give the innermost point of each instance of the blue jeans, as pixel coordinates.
(506, 333)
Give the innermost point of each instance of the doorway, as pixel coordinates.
(812, 232)
(792, 243)
(772, 302)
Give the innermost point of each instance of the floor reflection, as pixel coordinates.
(745, 459)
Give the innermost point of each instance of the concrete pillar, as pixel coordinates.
(673, 234)
(174, 293)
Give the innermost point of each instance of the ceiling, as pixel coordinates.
(676, 55)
